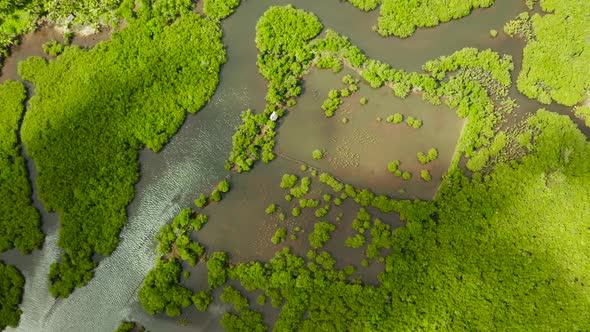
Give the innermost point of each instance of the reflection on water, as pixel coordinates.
(193, 161)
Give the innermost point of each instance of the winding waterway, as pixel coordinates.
(193, 161)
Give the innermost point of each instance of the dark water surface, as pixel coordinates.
(193, 160)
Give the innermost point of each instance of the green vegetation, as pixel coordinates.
(331, 104)
(414, 123)
(493, 33)
(288, 181)
(393, 166)
(261, 299)
(279, 236)
(19, 221)
(429, 259)
(11, 289)
(202, 300)
(281, 37)
(223, 186)
(321, 212)
(355, 242)
(395, 118)
(321, 234)
(86, 12)
(125, 327)
(365, 5)
(177, 235)
(363, 101)
(201, 201)
(520, 26)
(296, 212)
(215, 195)
(84, 144)
(161, 290)
(401, 17)
(188, 250)
(530, 257)
(427, 157)
(557, 57)
(219, 9)
(271, 209)
(406, 176)
(217, 267)
(247, 142)
(233, 295)
(583, 112)
(317, 154)
(303, 188)
(53, 48)
(16, 18)
(248, 321)
(332, 182)
(425, 175)
(129, 326)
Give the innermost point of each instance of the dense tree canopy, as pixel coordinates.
(11, 289)
(401, 17)
(17, 17)
(219, 9)
(19, 221)
(161, 290)
(138, 88)
(557, 59)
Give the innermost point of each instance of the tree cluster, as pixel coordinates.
(321, 234)
(303, 188)
(19, 221)
(12, 284)
(234, 296)
(332, 103)
(219, 9)
(429, 156)
(401, 17)
(161, 290)
(281, 37)
(562, 33)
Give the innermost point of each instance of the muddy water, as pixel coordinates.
(358, 152)
(193, 162)
(32, 45)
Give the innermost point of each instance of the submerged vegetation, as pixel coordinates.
(19, 221)
(139, 87)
